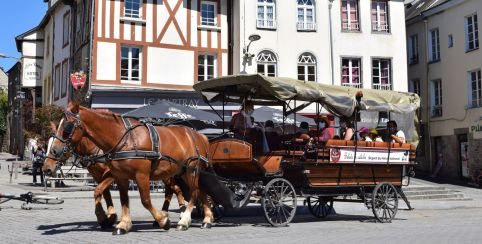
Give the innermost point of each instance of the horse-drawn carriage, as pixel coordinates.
(229, 170)
(350, 171)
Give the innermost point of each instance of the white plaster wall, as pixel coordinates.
(47, 64)
(452, 69)
(106, 61)
(288, 43)
(163, 69)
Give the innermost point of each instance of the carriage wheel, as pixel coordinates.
(320, 207)
(384, 202)
(279, 202)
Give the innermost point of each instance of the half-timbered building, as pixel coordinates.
(143, 50)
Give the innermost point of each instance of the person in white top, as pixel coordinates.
(395, 134)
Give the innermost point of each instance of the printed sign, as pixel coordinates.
(476, 130)
(32, 72)
(346, 155)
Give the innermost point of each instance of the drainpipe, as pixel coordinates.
(330, 5)
(427, 92)
(90, 55)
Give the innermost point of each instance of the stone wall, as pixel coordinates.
(475, 156)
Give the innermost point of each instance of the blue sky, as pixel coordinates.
(18, 16)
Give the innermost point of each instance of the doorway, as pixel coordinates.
(463, 156)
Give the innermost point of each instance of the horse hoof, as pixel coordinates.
(167, 225)
(119, 231)
(181, 227)
(206, 226)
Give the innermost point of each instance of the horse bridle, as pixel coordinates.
(69, 130)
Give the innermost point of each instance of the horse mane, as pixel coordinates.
(103, 112)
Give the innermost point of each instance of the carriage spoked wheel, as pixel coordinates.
(320, 207)
(279, 202)
(384, 202)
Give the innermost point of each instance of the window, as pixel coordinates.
(436, 98)
(65, 78)
(57, 82)
(307, 67)
(414, 86)
(306, 15)
(471, 33)
(434, 46)
(350, 72)
(349, 15)
(130, 63)
(205, 67)
(132, 8)
(450, 41)
(413, 49)
(266, 63)
(380, 16)
(381, 77)
(475, 92)
(208, 13)
(66, 29)
(266, 14)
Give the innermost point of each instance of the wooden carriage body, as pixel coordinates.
(329, 166)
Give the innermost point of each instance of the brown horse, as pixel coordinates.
(101, 174)
(181, 151)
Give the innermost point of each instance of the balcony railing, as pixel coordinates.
(350, 26)
(304, 26)
(437, 111)
(354, 85)
(380, 28)
(385, 87)
(266, 24)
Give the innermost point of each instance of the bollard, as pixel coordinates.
(10, 172)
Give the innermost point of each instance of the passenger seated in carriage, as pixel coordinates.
(395, 134)
(327, 132)
(243, 127)
(347, 131)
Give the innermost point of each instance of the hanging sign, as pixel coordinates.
(78, 79)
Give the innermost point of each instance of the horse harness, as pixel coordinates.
(154, 155)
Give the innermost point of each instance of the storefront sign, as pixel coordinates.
(191, 102)
(476, 130)
(346, 155)
(32, 72)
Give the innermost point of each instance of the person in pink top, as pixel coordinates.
(327, 132)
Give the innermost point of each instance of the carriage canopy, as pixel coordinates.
(339, 100)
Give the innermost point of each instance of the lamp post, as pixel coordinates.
(18, 98)
(247, 57)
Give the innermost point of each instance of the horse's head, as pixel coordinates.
(66, 137)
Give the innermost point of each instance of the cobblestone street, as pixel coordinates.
(74, 222)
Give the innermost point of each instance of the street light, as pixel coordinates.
(252, 38)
